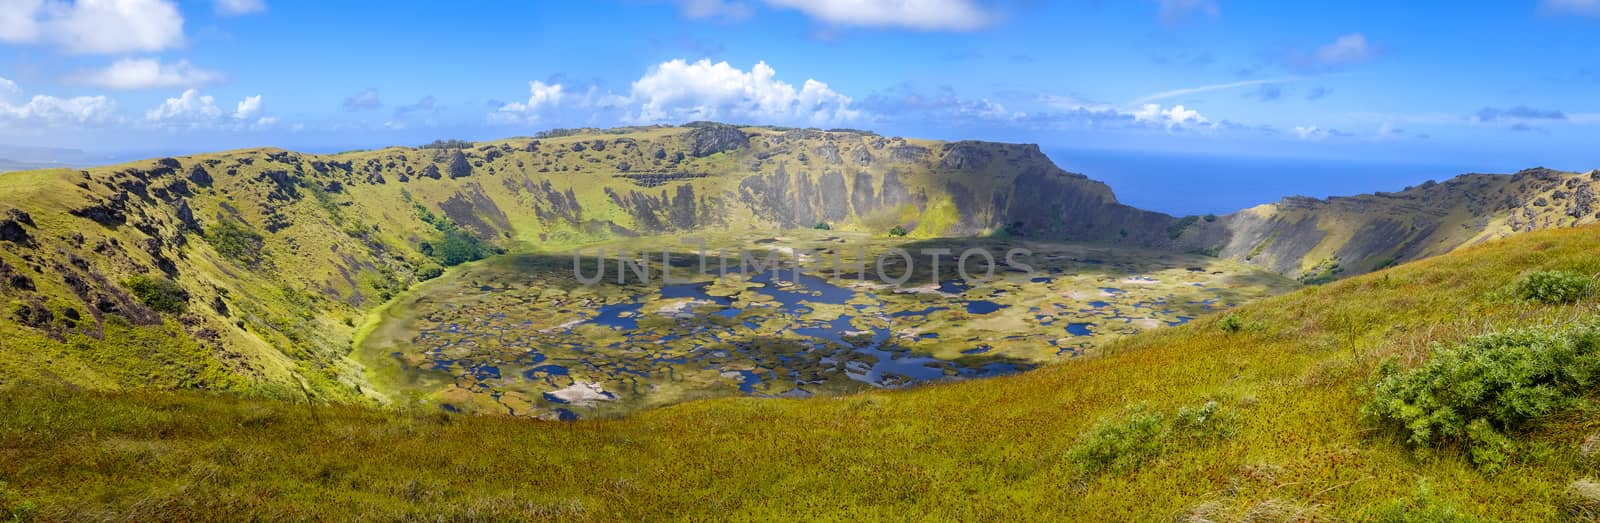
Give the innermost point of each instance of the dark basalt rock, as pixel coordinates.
(109, 212)
(20, 216)
(965, 155)
(186, 216)
(12, 231)
(459, 167)
(706, 141)
(861, 156)
(431, 171)
(908, 154)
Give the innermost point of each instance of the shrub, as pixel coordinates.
(429, 272)
(1473, 393)
(1142, 434)
(822, 226)
(898, 231)
(158, 293)
(1231, 324)
(233, 240)
(1554, 287)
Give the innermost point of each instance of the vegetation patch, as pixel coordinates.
(1554, 287)
(1142, 434)
(1177, 229)
(1471, 395)
(158, 293)
(236, 242)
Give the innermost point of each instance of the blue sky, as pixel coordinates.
(1492, 84)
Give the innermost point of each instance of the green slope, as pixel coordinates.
(1288, 442)
(281, 257)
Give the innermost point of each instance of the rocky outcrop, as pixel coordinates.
(965, 155)
(709, 140)
(12, 230)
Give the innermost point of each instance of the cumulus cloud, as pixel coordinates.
(194, 110)
(541, 97)
(1521, 112)
(1179, 12)
(1171, 117)
(247, 107)
(922, 15)
(1570, 7)
(679, 90)
(145, 73)
(365, 100)
(50, 111)
(93, 26)
(240, 7)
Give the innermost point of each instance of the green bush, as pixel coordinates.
(160, 294)
(822, 226)
(429, 272)
(1231, 324)
(1554, 287)
(1142, 434)
(1472, 394)
(235, 241)
(898, 231)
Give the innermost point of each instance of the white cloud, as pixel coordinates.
(50, 111)
(240, 7)
(1179, 12)
(194, 110)
(247, 107)
(1172, 117)
(8, 89)
(1570, 7)
(680, 91)
(1314, 133)
(18, 20)
(923, 15)
(541, 96)
(1348, 49)
(93, 26)
(145, 73)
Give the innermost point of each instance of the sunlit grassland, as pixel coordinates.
(1292, 378)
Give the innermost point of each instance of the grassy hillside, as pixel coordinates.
(278, 257)
(1261, 421)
